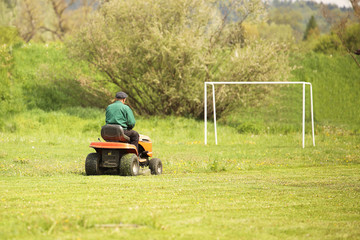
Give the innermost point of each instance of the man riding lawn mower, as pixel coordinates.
(124, 151)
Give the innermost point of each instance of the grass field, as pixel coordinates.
(248, 187)
(258, 183)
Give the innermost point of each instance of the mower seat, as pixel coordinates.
(113, 133)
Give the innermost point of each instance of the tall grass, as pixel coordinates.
(45, 78)
(336, 89)
(42, 137)
(336, 86)
(42, 77)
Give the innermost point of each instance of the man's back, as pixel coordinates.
(119, 113)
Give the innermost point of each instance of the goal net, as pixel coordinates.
(301, 99)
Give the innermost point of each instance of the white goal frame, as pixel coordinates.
(257, 83)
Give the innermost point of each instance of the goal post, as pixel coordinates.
(212, 84)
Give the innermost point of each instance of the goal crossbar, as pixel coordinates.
(258, 83)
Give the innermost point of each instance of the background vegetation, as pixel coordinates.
(162, 53)
(166, 60)
(62, 61)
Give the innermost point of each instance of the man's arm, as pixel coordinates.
(130, 118)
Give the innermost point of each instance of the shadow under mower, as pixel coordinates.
(117, 156)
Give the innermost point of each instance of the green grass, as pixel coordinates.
(41, 76)
(336, 91)
(336, 86)
(314, 203)
(247, 187)
(258, 183)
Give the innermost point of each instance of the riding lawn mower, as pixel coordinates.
(117, 156)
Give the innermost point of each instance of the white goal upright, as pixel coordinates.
(258, 83)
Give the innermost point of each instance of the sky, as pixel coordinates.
(340, 3)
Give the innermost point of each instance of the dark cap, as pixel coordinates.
(121, 95)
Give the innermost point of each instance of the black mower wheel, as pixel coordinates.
(155, 166)
(129, 165)
(92, 164)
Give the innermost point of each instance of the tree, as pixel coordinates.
(161, 52)
(59, 21)
(347, 35)
(67, 16)
(7, 12)
(52, 19)
(311, 29)
(356, 7)
(286, 16)
(28, 21)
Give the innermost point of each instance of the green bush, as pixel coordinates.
(9, 36)
(352, 37)
(328, 44)
(10, 100)
(331, 43)
(6, 63)
(161, 54)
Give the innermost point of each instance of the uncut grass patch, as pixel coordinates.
(336, 93)
(336, 88)
(57, 143)
(42, 76)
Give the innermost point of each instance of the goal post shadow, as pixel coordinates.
(212, 84)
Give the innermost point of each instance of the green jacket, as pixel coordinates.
(119, 113)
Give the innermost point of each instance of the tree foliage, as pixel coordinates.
(51, 19)
(356, 7)
(296, 14)
(7, 12)
(329, 43)
(161, 52)
(285, 15)
(312, 29)
(346, 29)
